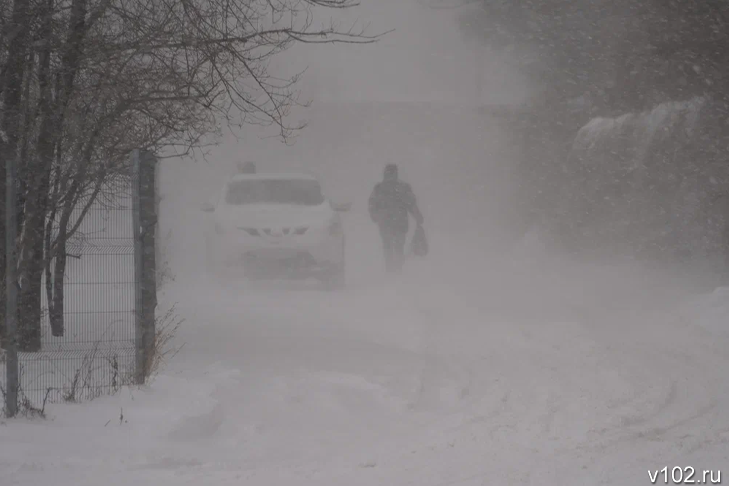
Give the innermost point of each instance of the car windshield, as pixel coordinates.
(298, 192)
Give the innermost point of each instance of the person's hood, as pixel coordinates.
(390, 176)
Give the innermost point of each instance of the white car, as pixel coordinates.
(277, 225)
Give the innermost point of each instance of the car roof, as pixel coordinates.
(273, 176)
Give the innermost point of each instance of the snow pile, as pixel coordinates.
(113, 435)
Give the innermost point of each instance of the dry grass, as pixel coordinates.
(164, 347)
(99, 375)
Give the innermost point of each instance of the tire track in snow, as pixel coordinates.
(504, 400)
(444, 372)
(489, 396)
(577, 365)
(675, 397)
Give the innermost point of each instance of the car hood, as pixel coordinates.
(274, 216)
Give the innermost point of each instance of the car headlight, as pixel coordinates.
(251, 231)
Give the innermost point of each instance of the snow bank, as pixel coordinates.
(114, 434)
(710, 312)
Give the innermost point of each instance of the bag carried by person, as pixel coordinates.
(419, 243)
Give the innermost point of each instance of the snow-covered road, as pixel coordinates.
(487, 363)
(507, 374)
(475, 367)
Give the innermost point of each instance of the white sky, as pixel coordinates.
(426, 58)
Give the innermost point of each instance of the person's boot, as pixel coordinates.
(399, 264)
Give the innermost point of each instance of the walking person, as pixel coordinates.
(246, 167)
(391, 203)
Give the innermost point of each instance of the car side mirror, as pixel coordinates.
(341, 207)
(207, 207)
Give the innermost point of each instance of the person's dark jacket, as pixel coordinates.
(389, 204)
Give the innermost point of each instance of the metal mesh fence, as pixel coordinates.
(95, 355)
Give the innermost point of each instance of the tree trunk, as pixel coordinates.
(51, 126)
(55, 320)
(35, 210)
(3, 333)
(29, 305)
(56, 303)
(12, 99)
(26, 133)
(36, 213)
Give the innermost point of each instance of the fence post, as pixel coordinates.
(138, 267)
(12, 378)
(148, 224)
(157, 233)
(144, 217)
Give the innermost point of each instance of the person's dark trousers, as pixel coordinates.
(393, 243)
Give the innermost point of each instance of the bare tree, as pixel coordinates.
(106, 76)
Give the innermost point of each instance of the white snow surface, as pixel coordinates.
(504, 371)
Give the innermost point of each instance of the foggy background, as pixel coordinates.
(568, 325)
(599, 127)
(409, 99)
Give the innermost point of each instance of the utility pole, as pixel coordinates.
(11, 288)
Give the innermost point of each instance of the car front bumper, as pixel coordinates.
(292, 264)
(280, 257)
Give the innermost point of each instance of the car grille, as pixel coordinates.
(271, 232)
(251, 231)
